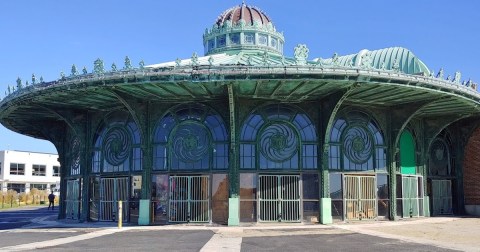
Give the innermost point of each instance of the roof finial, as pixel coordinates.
(243, 2)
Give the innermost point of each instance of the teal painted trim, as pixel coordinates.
(407, 154)
(326, 211)
(233, 211)
(144, 212)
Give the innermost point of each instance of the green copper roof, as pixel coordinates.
(392, 58)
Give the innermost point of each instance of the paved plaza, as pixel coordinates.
(425, 234)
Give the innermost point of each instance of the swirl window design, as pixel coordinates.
(356, 144)
(190, 142)
(116, 146)
(190, 137)
(75, 157)
(278, 142)
(278, 137)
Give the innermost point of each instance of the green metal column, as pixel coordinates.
(423, 167)
(325, 201)
(329, 110)
(392, 167)
(86, 140)
(63, 183)
(147, 166)
(234, 199)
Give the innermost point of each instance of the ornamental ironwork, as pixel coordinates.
(357, 144)
(117, 145)
(278, 142)
(75, 165)
(191, 142)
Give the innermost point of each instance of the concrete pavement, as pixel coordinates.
(425, 234)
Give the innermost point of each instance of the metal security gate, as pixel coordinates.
(279, 198)
(113, 190)
(72, 201)
(412, 196)
(360, 197)
(442, 197)
(189, 199)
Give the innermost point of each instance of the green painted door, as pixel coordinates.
(279, 198)
(407, 154)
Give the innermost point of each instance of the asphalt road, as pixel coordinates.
(16, 218)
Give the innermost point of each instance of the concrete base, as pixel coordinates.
(233, 211)
(144, 212)
(426, 206)
(472, 210)
(326, 211)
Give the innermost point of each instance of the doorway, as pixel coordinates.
(360, 200)
(72, 201)
(279, 198)
(113, 190)
(189, 199)
(441, 197)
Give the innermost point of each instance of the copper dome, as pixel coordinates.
(243, 12)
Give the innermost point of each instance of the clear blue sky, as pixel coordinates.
(47, 37)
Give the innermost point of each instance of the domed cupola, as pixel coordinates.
(243, 27)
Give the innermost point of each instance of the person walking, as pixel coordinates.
(51, 200)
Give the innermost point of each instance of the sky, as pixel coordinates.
(47, 37)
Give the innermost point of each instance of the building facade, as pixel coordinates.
(22, 171)
(246, 134)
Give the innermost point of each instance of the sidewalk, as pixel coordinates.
(460, 233)
(446, 232)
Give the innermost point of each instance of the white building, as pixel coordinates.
(23, 170)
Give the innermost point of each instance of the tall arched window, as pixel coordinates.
(75, 156)
(440, 162)
(117, 145)
(190, 137)
(278, 137)
(356, 144)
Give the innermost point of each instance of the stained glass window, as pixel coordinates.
(356, 143)
(278, 137)
(190, 137)
(117, 145)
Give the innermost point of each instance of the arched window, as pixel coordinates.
(278, 137)
(190, 137)
(440, 162)
(117, 145)
(75, 156)
(356, 144)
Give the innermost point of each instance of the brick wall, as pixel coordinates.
(471, 170)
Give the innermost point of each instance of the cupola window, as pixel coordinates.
(211, 44)
(221, 41)
(249, 38)
(235, 38)
(263, 39)
(273, 42)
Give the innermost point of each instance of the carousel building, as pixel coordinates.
(245, 134)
